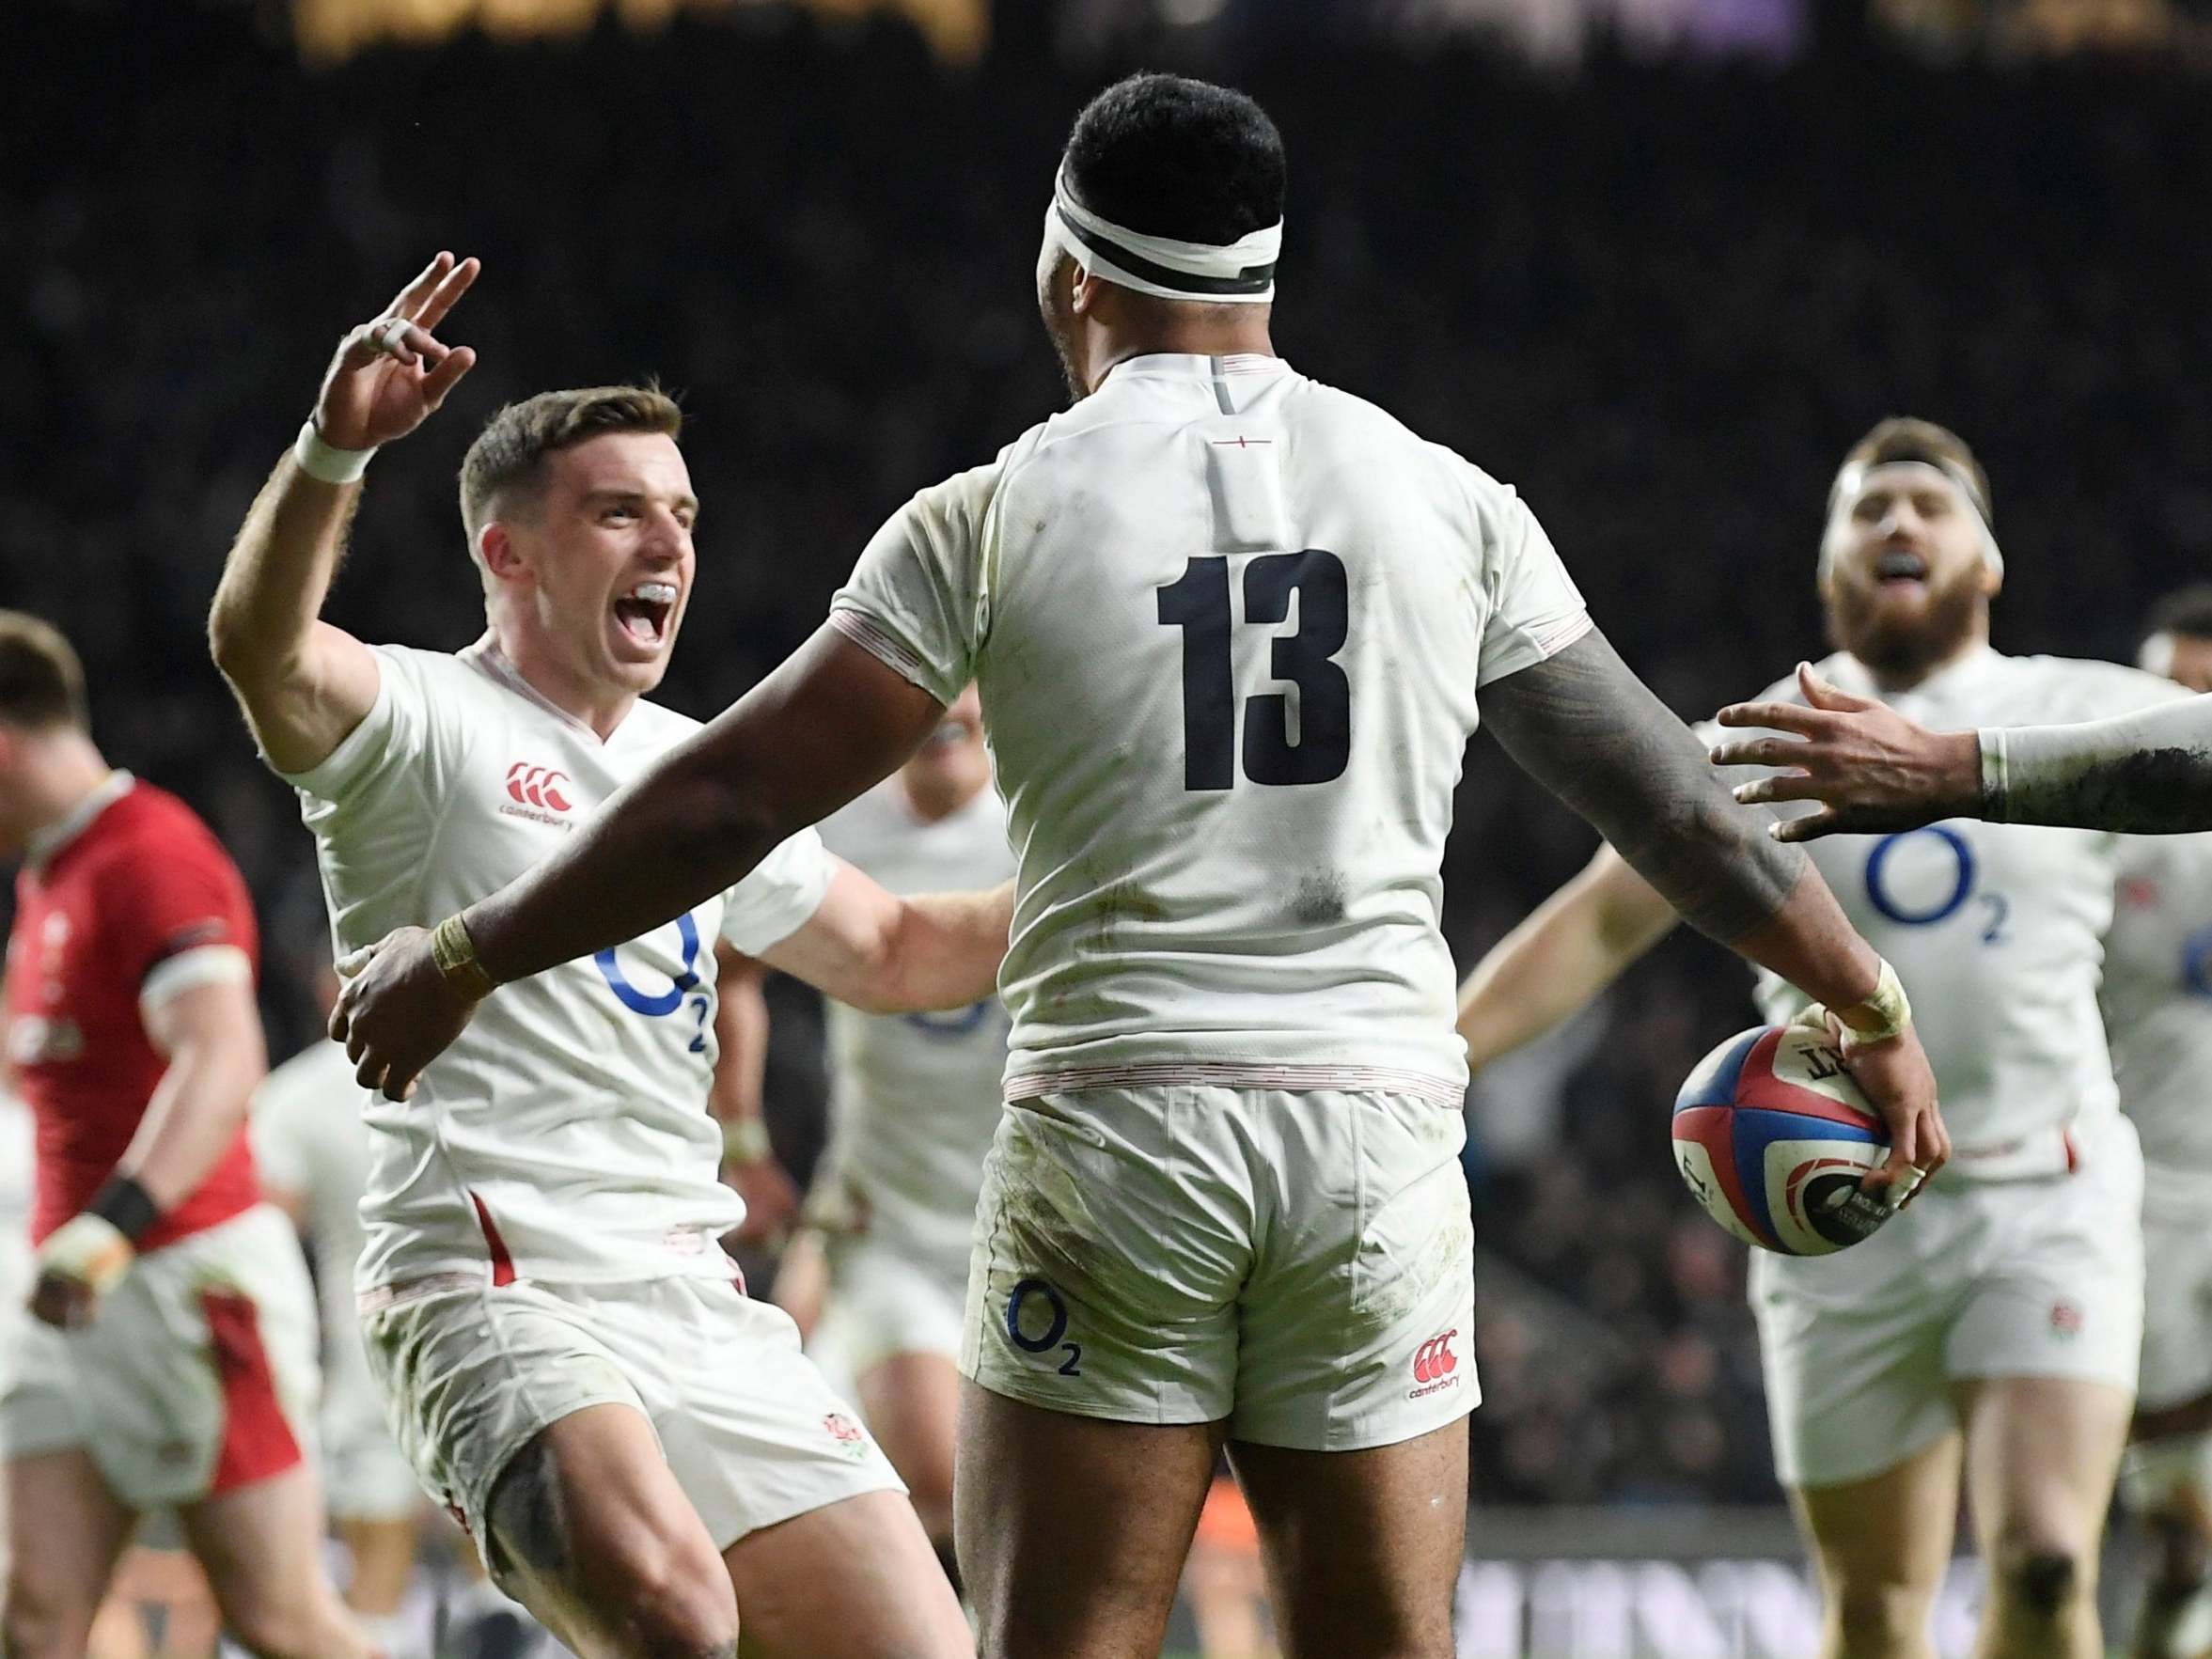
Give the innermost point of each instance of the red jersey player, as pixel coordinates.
(172, 1361)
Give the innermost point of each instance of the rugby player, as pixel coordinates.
(171, 1365)
(566, 1355)
(1229, 628)
(1992, 1333)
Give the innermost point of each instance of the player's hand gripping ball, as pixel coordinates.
(1772, 1134)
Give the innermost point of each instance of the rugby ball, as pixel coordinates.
(1772, 1134)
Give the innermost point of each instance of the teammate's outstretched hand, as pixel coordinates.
(398, 1011)
(1872, 769)
(392, 371)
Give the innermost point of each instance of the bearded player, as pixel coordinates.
(1990, 1335)
(639, 1450)
(913, 1102)
(171, 1364)
(1231, 628)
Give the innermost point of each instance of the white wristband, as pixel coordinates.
(326, 462)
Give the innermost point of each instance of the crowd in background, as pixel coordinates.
(1662, 300)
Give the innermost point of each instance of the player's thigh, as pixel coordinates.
(1072, 1531)
(66, 1532)
(855, 1579)
(1881, 1543)
(261, 1549)
(1363, 1548)
(1114, 1234)
(588, 1527)
(2041, 1455)
(912, 1403)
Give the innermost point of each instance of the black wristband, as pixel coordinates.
(125, 1206)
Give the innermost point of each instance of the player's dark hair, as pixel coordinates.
(41, 682)
(1903, 438)
(1169, 156)
(515, 442)
(2187, 610)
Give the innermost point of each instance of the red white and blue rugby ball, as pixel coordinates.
(1772, 1134)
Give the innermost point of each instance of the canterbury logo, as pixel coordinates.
(537, 786)
(1434, 1360)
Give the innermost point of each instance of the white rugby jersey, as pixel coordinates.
(565, 1136)
(309, 1141)
(1228, 625)
(914, 1097)
(1996, 929)
(2159, 1006)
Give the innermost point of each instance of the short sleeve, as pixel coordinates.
(1535, 609)
(783, 890)
(399, 737)
(916, 600)
(183, 918)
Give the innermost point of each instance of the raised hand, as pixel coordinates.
(393, 370)
(1872, 770)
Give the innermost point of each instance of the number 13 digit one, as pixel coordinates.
(1197, 603)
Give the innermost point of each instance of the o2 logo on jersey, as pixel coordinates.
(656, 1005)
(1919, 878)
(2196, 964)
(959, 1021)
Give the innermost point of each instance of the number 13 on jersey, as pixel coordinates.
(1197, 603)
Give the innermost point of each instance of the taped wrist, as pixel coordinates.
(1886, 1013)
(126, 1206)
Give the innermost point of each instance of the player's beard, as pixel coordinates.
(1904, 646)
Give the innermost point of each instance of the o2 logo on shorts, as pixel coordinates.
(957, 1022)
(1905, 895)
(654, 1005)
(1029, 1294)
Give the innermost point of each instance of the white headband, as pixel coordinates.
(1240, 274)
(1853, 479)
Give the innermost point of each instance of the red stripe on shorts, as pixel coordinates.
(257, 1437)
(502, 1263)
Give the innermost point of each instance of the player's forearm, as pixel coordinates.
(278, 573)
(1558, 960)
(2148, 772)
(195, 1115)
(946, 950)
(741, 1036)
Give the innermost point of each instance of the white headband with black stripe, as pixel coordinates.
(1241, 272)
(1853, 479)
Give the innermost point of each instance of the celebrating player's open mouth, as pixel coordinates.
(644, 618)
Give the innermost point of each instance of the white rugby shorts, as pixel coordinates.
(881, 1302)
(1300, 1264)
(2178, 1289)
(196, 1376)
(472, 1372)
(2039, 1277)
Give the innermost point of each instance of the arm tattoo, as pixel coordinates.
(2142, 774)
(1586, 729)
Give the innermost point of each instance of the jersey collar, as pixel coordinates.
(42, 845)
(487, 659)
(1193, 366)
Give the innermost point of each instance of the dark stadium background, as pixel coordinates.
(1660, 291)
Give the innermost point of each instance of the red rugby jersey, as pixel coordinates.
(137, 897)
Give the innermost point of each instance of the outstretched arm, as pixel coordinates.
(2148, 772)
(827, 724)
(1593, 734)
(1571, 947)
(302, 683)
(888, 955)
